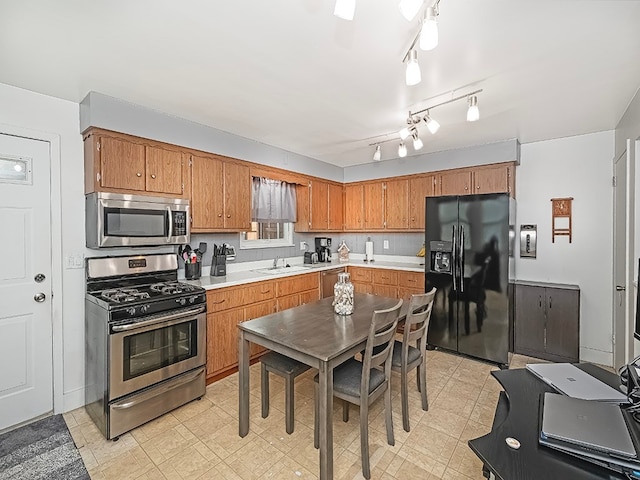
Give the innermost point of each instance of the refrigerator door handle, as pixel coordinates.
(461, 258)
(453, 253)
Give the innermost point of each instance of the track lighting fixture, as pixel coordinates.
(377, 154)
(417, 143)
(345, 9)
(432, 124)
(473, 113)
(413, 76)
(410, 8)
(429, 31)
(402, 150)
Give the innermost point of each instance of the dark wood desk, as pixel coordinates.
(517, 416)
(315, 335)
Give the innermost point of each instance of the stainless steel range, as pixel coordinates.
(145, 340)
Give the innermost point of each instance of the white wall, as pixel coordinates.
(48, 115)
(578, 167)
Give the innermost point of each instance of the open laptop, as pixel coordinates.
(592, 431)
(570, 380)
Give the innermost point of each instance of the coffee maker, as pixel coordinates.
(323, 249)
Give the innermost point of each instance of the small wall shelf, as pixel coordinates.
(561, 210)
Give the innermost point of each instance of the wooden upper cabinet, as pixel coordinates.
(164, 170)
(456, 182)
(397, 204)
(419, 189)
(303, 208)
(373, 206)
(221, 194)
(336, 207)
(119, 163)
(207, 197)
(237, 196)
(319, 198)
(353, 207)
(122, 164)
(493, 179)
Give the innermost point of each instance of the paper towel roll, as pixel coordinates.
(368, 251)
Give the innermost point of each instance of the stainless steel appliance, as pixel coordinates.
(329, 279)
(469, 240)
(117, 220)
(323, 249)
(145, 340)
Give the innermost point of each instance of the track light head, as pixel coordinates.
(345, 9)
(432, 124)
(402, 150)
(412, 75)
(473, 113)
(377, 155)
(417, 143)
(429, 31)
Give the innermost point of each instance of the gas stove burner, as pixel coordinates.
(122, 295)
(172, 288)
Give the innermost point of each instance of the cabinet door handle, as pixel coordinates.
(138, 174)
(218, 303)
(540, 301)
(153, 175)
(264, 293)
(550, 302)
(228, 216)
(219, 215)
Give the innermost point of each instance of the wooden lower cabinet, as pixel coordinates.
(387, 282)
(227, 307)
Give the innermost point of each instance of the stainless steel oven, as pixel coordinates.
(151, 350)
(118, 220)
(145, 345)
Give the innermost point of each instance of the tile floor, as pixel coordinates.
(200, 440)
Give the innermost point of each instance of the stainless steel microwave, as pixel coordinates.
(117, 220)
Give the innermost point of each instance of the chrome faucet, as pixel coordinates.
(275, 262)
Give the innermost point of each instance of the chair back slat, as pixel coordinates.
(417, 321)
(381, 334)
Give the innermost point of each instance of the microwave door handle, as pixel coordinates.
(170, 214)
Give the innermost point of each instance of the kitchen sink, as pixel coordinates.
(278, 270)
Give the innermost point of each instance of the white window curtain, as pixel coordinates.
(273, 201)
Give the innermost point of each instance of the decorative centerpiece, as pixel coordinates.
(343, 295)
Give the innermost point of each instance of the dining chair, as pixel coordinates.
(287, 368)
(406, 357)
(362, 382)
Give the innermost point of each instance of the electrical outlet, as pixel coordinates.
(75, 260)
(385, 244)
(303, 245)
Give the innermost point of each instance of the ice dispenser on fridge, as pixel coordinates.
(441, 256)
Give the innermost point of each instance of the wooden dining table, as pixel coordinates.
(312, 334)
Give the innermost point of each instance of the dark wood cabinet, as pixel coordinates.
(547, 321)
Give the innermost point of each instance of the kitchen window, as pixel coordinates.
(273, 211)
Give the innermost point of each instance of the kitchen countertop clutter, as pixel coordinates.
(248, 272)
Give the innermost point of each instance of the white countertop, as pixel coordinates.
(246, 272)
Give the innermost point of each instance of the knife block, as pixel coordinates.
(192, 271)
(219, 266)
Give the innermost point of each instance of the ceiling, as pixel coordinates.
(288, 73)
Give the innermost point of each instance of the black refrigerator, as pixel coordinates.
(469, 240)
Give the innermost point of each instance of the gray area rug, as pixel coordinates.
(43, 449)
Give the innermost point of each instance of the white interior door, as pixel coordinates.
(26, 372)
(621, 327)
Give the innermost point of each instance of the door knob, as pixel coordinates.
(39, 297)
(620, 288)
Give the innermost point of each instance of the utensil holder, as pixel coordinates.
(192, 271)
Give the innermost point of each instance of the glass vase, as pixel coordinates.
(343, 295)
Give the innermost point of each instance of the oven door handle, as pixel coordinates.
(162, 319)
(155, 392)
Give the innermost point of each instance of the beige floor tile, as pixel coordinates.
(200, 439)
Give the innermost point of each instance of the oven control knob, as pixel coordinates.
(131, 311)
(181, 301)
(193, 299)
(144, 308)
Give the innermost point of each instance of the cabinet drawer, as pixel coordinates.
(257, 292)
(297, 283)
(385, 291)
(385, 277)
(411, 280)
(362, 287)
(360, 274)
(224, 298)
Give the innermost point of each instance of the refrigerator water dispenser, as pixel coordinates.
(441, 256)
